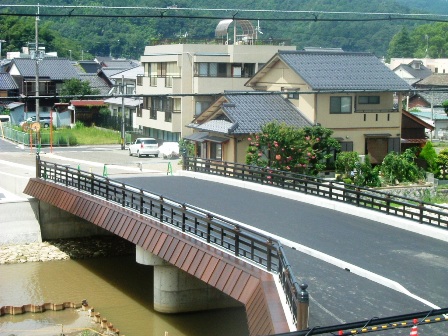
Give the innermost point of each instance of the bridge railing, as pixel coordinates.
(209, 227)
(409, 208)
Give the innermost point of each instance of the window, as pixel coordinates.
(161, 70)
(211, 69)
(139, 80)
(346, 146)
(368, 99)
(340, 104)
(201, 106)
(215, 151)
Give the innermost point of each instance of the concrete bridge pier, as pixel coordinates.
(176, 291)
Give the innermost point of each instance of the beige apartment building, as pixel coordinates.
(180, 81)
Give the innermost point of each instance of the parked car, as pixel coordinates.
(44, 121)
(144, 146)
(169, 150)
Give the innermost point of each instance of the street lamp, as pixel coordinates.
(70, 54)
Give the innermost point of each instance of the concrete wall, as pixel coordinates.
(18, 222)
(56, 223)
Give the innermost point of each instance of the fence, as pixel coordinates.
(409, 208)
(30, 138)
(211, 228)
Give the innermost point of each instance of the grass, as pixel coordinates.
(91, 135)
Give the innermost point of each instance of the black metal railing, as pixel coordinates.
(409, 208)
(209, 227)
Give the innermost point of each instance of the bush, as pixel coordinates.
(429, 154)
(398, 168)
(346, 163)
(366, 175)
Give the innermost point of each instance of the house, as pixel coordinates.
(16, 112)
(413, 131)
(412, 72)
(52, 73)
(351, 93)
(437, 119)
(181, 80)
(86, 111)
(436, 65)
(222, 130)
(8, 87)
(437, 84)
(132, 109)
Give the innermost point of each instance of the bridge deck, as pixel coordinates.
(253, 287)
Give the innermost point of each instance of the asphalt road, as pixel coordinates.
(416, 262)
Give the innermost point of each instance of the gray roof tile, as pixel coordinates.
(7, 82)
(343, 71)
(247, 114)
(52, 68)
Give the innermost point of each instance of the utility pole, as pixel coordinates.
(36, 56)
(1, 41)
(123, 130)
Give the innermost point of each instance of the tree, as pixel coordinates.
(398, 168)
(76, 87)
(401, 45)
(303, 150)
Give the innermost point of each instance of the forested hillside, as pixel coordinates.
(127, 36)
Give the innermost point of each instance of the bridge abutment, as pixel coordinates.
(176, 291)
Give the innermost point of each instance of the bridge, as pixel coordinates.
(70, 194)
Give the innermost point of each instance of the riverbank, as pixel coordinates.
(64, 249)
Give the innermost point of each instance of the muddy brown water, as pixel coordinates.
(118, 288)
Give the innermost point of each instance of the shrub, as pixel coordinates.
(429, 154)
(346, 163)
(398, 168)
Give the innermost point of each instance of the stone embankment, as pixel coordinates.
(63, 249)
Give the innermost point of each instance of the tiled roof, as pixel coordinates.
(7, 82)
(96, 82)
(421, 73)
(435, 80)
(343, 71)
(52, 68)
(436, 97)
(90, 66)
(247, 114)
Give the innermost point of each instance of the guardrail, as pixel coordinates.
(211, 228)
(409, 208)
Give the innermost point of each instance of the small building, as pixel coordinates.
(221, 132)
(86, 111)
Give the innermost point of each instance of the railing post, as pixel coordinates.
(237, 240)
(37, 165)
(421, 207)
(209, 219)
(303, 308)
(268, 255)
(388, 204)
(184, 216)
(92, 185)
(161, 209)
(123, 195)
(142, 202)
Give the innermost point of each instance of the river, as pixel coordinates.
(118, 288)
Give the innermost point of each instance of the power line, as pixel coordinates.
(162, 13)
